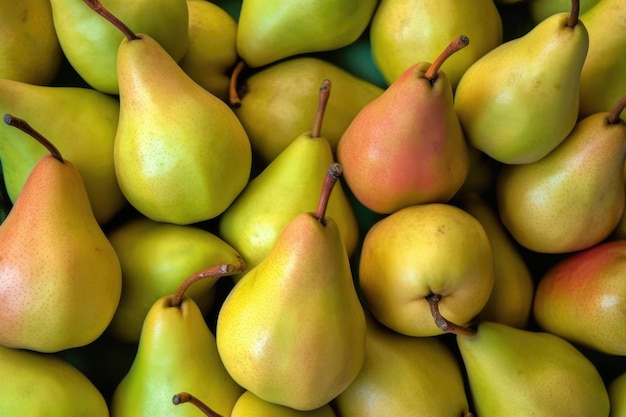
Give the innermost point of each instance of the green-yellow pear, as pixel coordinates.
(427, 251)
(81, 122)
(542, 9)
(269, 31)
(405, 32)
(271, 108)
(582, 298)
(30, 50)
(520, 100)
(617, 396)
(212, 50)
(573, 198)
(181, 155)
(156, 257)
(36, 384)
(292, 330)
(516, 372)
(90, 44)
(404, 376)
(294, 178)
(177, 352)
(406, 146)
(249, 405)
(60, 278)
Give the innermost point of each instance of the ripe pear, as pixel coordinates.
(292, 330)
(179, 161)
(30, 50)
(254, 221)
(81, 122)
(573, 198)
(617, 396)
(406, 146)
(60, 278)
(36, 384)
(406, 258)
(521, 99)
(269, 31)
(516, 372)
(249, 405)
(582, 298)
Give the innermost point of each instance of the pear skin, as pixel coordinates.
(249, 405)
(617, 395)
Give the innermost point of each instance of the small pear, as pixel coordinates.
(60, 278)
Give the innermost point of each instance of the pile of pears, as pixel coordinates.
(313, 208)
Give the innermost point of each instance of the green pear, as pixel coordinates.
(249, 405)
(292, 330)
(404, 376)
(516, 372)
(521, 99)
(427, 28)
(155, 258)
(176, 352)
(427, 251)
(582, 298)
(406, 146)
(272, 106)
(30, 50)
(82, 124)
(617, 396)
(36, 384)
(573, 198)
(294, 178)
(212, 50)
(60, 278)
(181, 160)
(90, 44)
(269, 31)
(542, 9)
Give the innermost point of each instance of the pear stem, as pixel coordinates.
(316, 132)
(185, 397)
(616, 111)
(574, 14)
(432, 72)
(332, 175)
(22, 125)
(233, 95)
(96, 6)
(443, 323)
(215, 272)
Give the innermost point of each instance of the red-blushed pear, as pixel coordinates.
(60, 278)
(583, 298)
(573, 198)
(412, 127)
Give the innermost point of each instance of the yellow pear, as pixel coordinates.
(249, 405)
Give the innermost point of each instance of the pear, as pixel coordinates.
(254, 221)
(617, 395)
(406, 261)
(249, 405)
(60, 278)
(30, 51)
(36, 384)
(573, 198)
(179, 161)
(521, 99)
(81, 122)
(269, 31)
(407, 147)
(516, 372)
(292, 330)
(155, 258)
(542, 9)
(176, 351)
(582, 298)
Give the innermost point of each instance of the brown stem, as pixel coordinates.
(443, 323)
(96, 6)
(332, 175)
(574, 14)
(616, 111)
(321, 109)
(185, 397)
(22, 125)
(214, 272)
(432, 72)
(233, 96)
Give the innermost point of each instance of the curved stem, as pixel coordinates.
(332, 175)
(22, 125)
(316, 132)
(185, 397)
(233, 95)
(616, 111)
(432, 72)
(96, 6)
(574, 14)
(215, 272)
(443, 323)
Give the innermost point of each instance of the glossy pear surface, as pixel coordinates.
(249, 405)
